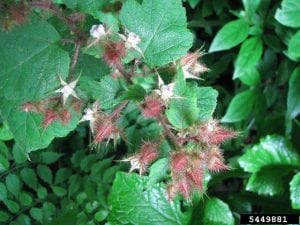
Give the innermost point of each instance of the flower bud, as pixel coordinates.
(179, 162)
(113, 54)
(215, 160)
(152, 107)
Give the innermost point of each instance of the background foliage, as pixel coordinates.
(253, 56)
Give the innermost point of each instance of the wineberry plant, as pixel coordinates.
(109, 111)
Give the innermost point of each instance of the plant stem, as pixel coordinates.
(74, 60)
(168, 132)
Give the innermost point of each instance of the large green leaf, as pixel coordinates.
(217, 212)
(232, 34)
(251, 6)
(295, 191)
(240, 107)
(293, 101)
(161, 26)
(294, 46)
(30, 72)
(13, 184)
(289, 14)
(267, 181)
(273, 150)
(132, 203)
(183, 108)
(206, 101)
(249, 55)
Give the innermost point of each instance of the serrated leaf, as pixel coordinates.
(293, 101)
(273, 150)
(132, 204)
(29, 177)
(45, 173)
(161, 25)
(237, 109)
(50, 157)
(135, 92)
(207, 102)
(158, 171)
(30, 72)
(249, 55)
(37, 214)
(230, 35)
(105, 91)
(295, 191)
(183, 109)
(268, 181)
(289, 14)
(217, 212)
(13, 184)
(294, 45)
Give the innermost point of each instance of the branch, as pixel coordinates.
(74, 60)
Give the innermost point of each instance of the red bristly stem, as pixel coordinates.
(168, 132)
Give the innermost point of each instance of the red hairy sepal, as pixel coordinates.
(19, 13)
(195, 175)
(103, 129)
(152, 107)
(215, 160)
(49, 117)
(184, 187)
(148, 153)
(113, 53)
(179, 162)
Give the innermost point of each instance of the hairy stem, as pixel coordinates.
(168, 132)
(74, 60)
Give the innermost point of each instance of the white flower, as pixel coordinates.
(131, 41)
(166, 91)
(98, 31)
(67, 89)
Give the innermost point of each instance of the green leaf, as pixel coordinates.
(183, 108)
(217, 212)
(294, 45)
(4, 164)
(3, 192)
(206, 101)
(29, 178)
(5, 133)
(20, 155)
(37, 214)
(240, 107)
(13, 184)
(251, 6)
(161, 25)
(158, 171)
(45, 173)
(295, 191)
(230, 35)
(193, 3)
(30, 72)
(62, 175)
(101, 215)
(50, 157)
(132, 204)
(135, 92)
(250, 77)
(293, 101)
(25, 199)
(42, 192)
(268, 181)
(87, 6)
(273, 150)
(59, 191)
(4, 216)
(105, 91)
(249, 55)
(289, 14)
(12, 206)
